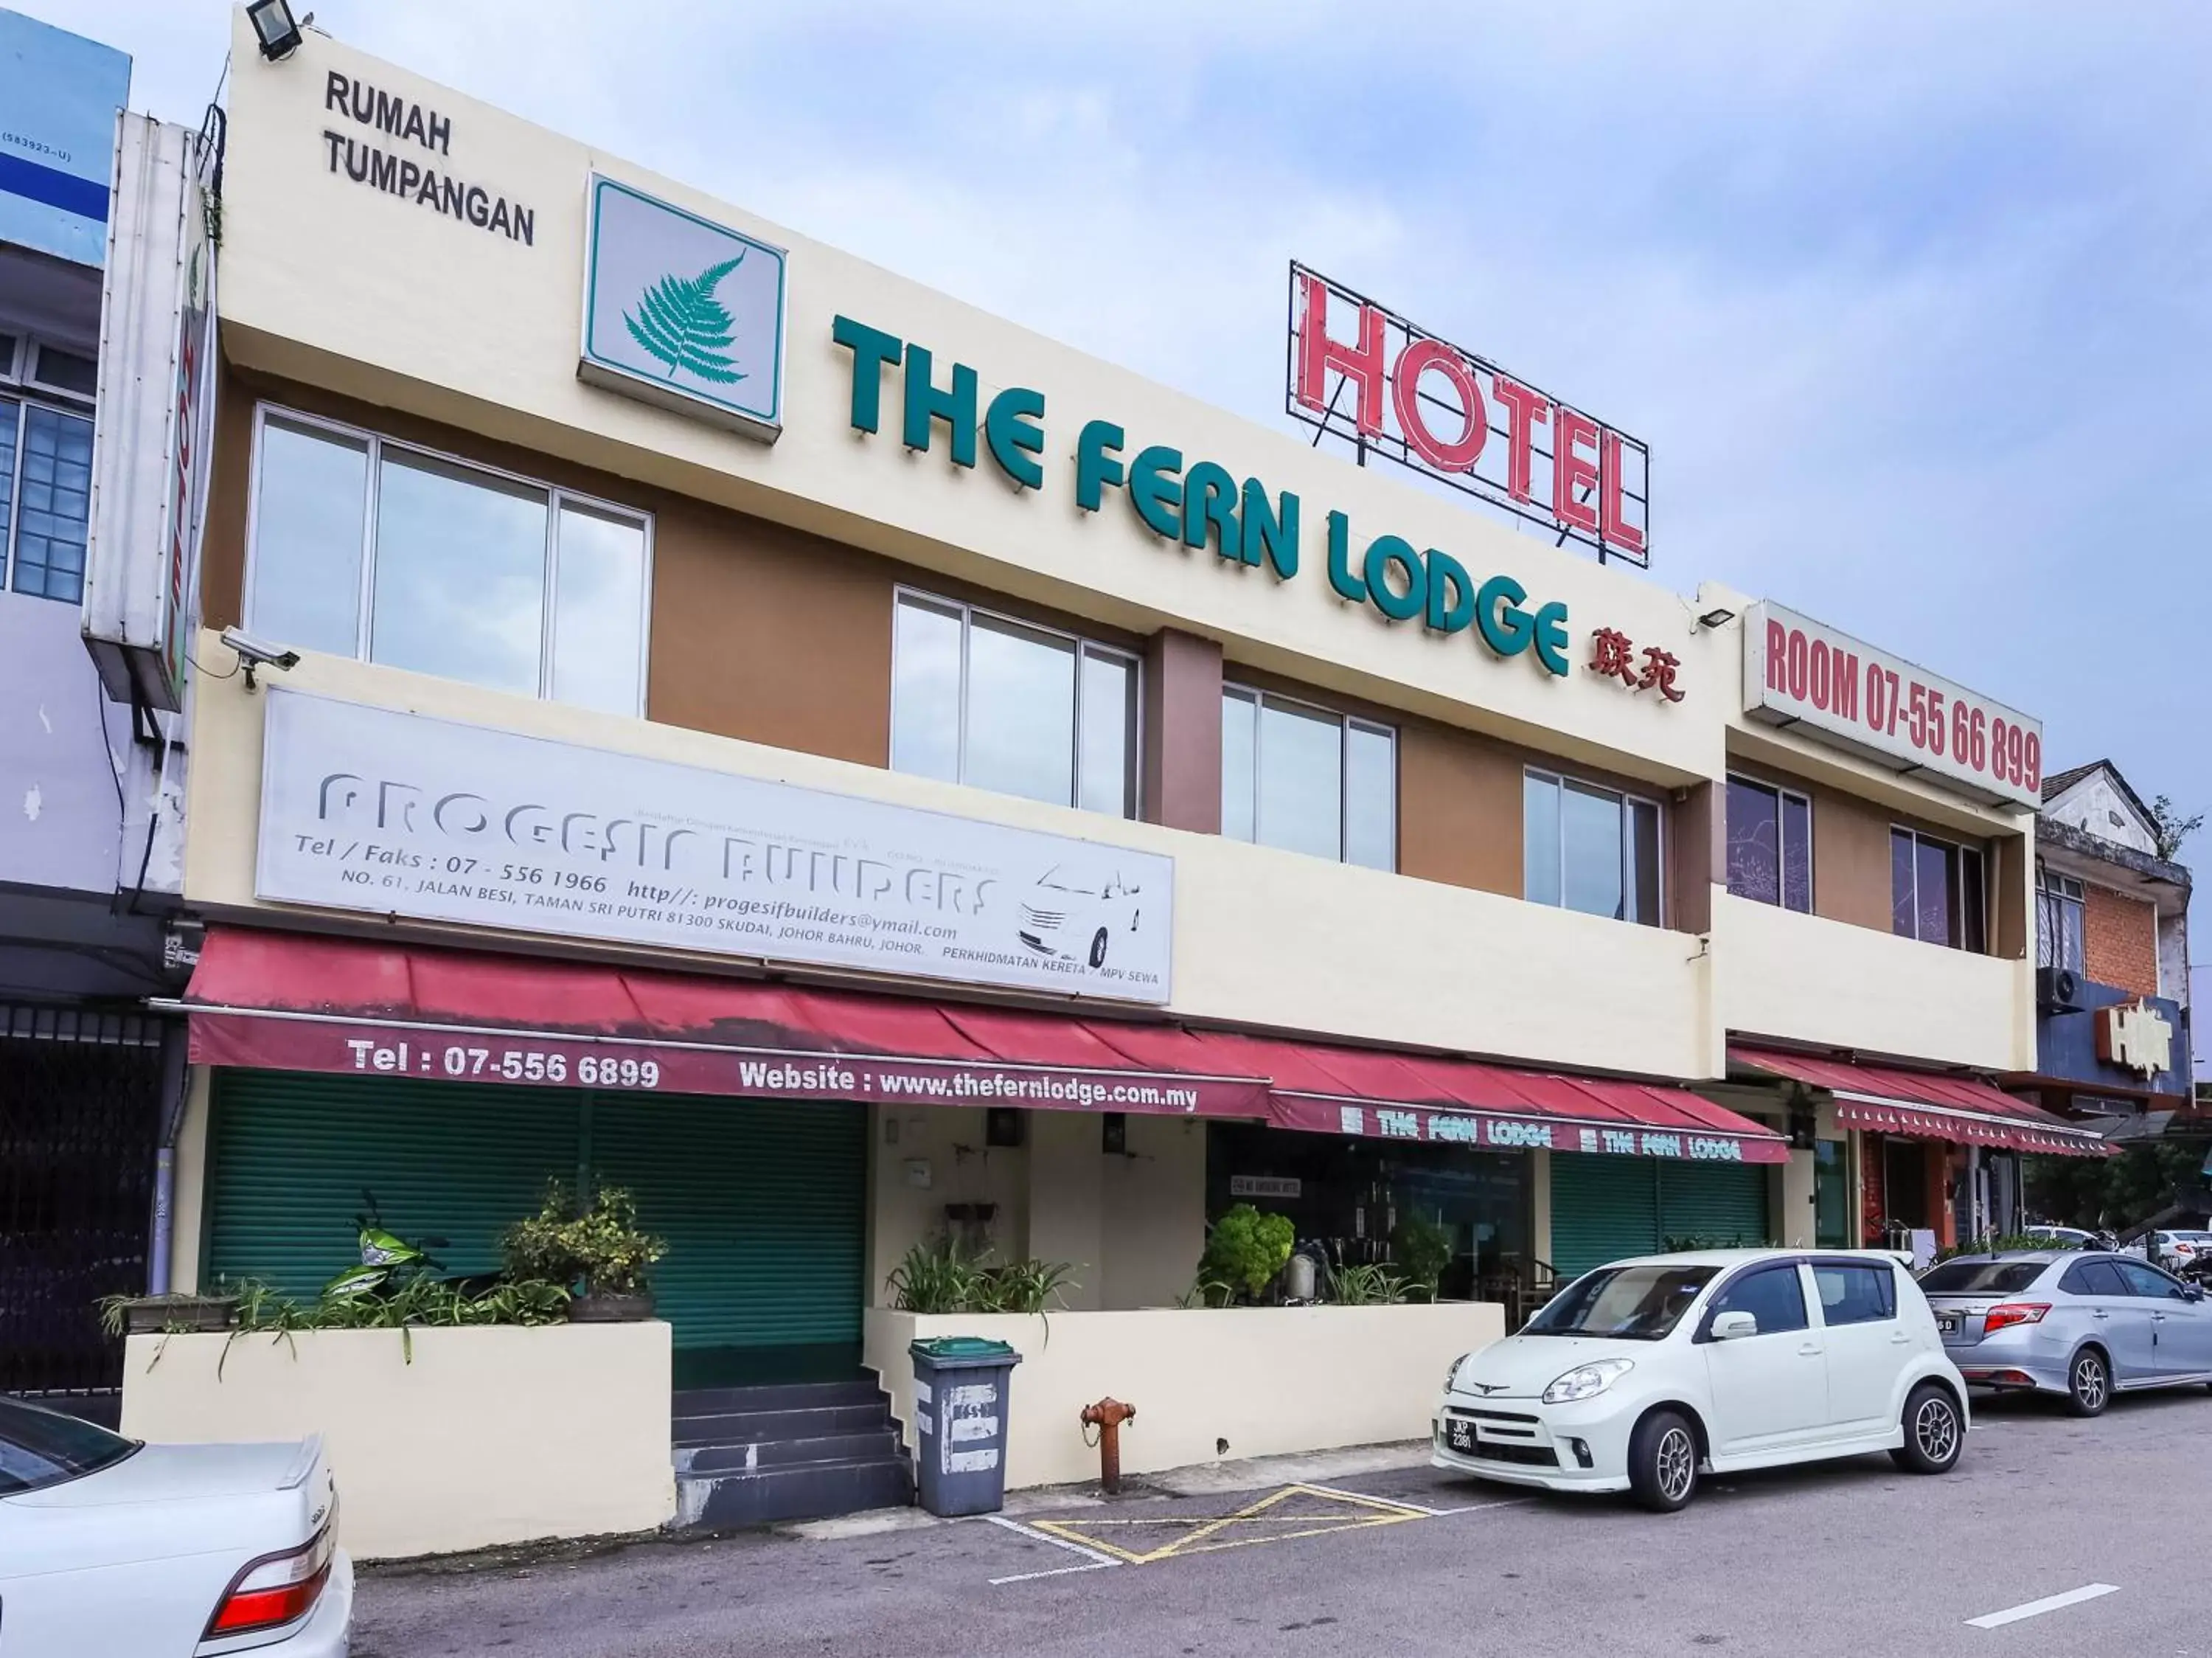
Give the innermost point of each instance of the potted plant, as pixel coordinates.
(155, 1315)
(598, 1244)
(1244, 1250)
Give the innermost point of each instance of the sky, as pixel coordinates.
(1909, 302)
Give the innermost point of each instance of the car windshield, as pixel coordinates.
(1059, 878)
(1631, 1303)
(43, 1448)
(1984, 1277)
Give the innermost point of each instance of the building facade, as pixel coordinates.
(2112, 952)
(847, 769)
(89, 849)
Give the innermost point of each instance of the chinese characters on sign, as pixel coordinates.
(1613, 656)
(1370, 376)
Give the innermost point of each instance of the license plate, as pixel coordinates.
(1949, 1323)
(1459, 1435)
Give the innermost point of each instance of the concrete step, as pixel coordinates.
(798, 1490)
(782, 1396)
(756, 1427)
(778, 1453)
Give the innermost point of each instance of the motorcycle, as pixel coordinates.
(388, 1261)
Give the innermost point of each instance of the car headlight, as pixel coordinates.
(1588, 1382)
(1451, 1370)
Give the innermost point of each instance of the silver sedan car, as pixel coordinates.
(2080, 1325)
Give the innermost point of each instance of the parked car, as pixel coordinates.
(2177, 1251)
(2081, 1326)
(2060, 1237)
(1074, 914)
(1641, 1375)
(109, 1545)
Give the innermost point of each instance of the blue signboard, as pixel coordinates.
(57, 137)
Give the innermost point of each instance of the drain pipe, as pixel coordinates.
(1107, 1417)
(160, 1251)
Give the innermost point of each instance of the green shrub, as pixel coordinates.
(1365, 1286)
(1244, 1250)
(599, 1244)
(1421, 1249)
(945, 1276)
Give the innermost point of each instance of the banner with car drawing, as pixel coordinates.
(388, 812)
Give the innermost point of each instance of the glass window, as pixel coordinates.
(2098, 1278)
(44, 1447)
(1927, 892)
(460, 573)
(2060, 939)
(1240, 745)
(11, 420)
(367, 548)
(53, 503)
(2149, 1281)
(1630, 1303)
(309, 513)
(1769, 844)
(1772, 1295)
(1854, 1292)
(1013, 707)
(1984, 1278)
(598, 608)
(67, 371)
(1588, 848)
(1307, 780)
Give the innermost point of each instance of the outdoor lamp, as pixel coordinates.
(1717, 617)
(274, 27)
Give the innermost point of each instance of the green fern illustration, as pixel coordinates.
(685, 326)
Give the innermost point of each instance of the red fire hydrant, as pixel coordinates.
(1107, 1417)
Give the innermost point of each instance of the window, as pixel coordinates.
(364, 547)
(1966, 1277)
(1013, 707)
(1590, 849)
(2091, 1278)
(42, 1448)
(2060, 939)
(1854, 1292)
(1771, 1295)
(1769, 844)
(2149, 1281)
(1625, 1303)
(45, 498)
(1307, 780)
(1937, 893)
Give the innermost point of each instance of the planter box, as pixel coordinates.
(1268, 1380)
(492, 1435)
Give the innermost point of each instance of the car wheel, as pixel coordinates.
(1098, 948)
(1935, 1433)
(1662, 1462)
(2088, 1383)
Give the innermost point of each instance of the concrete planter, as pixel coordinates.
(1267, 1379)
(485, 1435)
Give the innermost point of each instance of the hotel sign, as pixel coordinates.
(1805, 675)
(397, 814)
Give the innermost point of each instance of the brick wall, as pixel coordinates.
(2120, 942)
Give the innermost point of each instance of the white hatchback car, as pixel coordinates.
(1639, 1375)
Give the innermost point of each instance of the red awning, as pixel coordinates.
(292, 1002)
(1409, 1096)
(1962, 1109)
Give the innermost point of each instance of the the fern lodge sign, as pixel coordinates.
(683, 312)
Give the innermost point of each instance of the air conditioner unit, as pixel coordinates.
(2058, 990)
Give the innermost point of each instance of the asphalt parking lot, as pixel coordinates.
(2053, 1536)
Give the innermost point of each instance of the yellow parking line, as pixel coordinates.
(1206, 1529)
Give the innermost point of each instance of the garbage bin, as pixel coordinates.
(960, 1423)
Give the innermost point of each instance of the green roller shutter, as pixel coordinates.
(1602, 1209)
(290, 1155)
(763, 1202)
(763, 1206)
(1718, 1204)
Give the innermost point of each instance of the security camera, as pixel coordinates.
(253, 653)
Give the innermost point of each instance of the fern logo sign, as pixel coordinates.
(683, 312)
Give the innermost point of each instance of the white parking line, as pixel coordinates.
(2037, 1608)
(1094, 1560)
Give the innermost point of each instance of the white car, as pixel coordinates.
(1075, 914)
(108, 1545)
(1639, 1376)
(2178, 1251)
